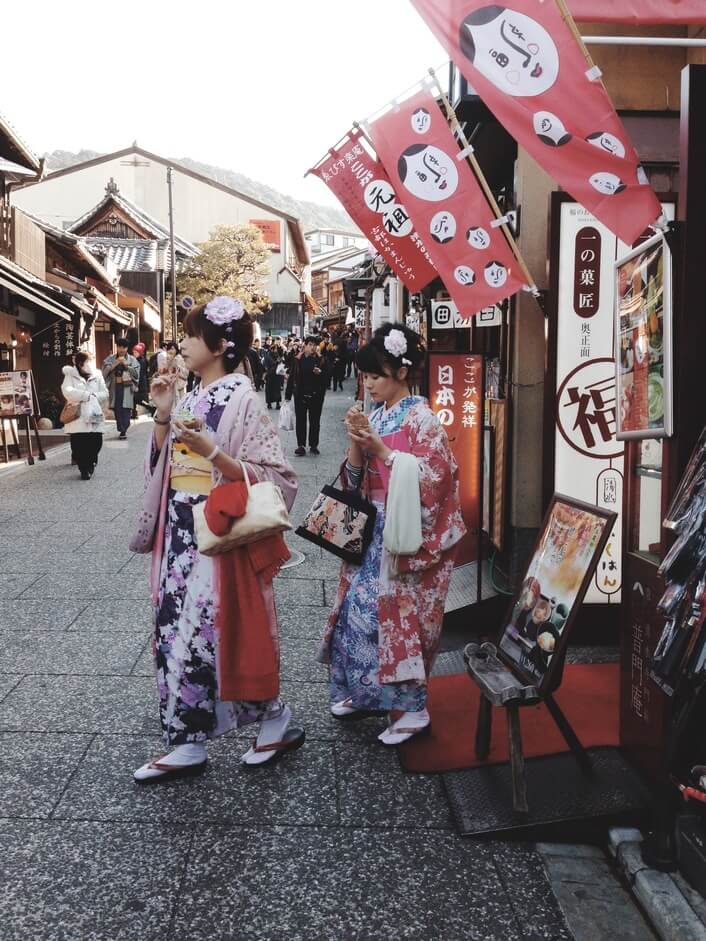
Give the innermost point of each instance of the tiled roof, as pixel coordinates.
(133, 254)
(14, 148)
(141, 218)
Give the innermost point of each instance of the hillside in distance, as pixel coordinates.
(312, 215)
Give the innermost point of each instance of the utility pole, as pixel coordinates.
(173, 254)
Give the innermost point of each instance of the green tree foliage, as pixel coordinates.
(234, 261)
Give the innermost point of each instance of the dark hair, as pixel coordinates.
(171, 346)
(238, 332)
(122, 341)
(374, 358)
(311, 339)
(402, 162)
(79, 361)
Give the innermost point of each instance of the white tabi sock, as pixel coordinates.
(271, 731)
(193, 753)
(408, 720)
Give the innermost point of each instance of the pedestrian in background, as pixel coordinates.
(142, 394)
(85, 387)
(307, 385)
(219, 434)
(384, 630)
(121, 372)
(274, 376)
(175, 366)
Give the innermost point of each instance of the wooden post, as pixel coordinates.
(517, 759)
(484, 728)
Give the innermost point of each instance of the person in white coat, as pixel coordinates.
(85, 387)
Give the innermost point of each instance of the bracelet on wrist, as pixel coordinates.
(214, 454)
(161, 421)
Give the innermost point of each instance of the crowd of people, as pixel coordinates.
(216, 639)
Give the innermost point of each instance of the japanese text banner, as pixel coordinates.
(638, 11)
(363, 188)
(526, 65)
(446, 204)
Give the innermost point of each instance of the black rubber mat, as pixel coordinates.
(562, 800)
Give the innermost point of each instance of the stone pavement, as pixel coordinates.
(334, 842)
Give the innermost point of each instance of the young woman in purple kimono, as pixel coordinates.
(383, 633)
(215, 431)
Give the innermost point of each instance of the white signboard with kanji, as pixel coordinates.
(588, 463)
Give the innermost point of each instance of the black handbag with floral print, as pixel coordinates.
(340, 521)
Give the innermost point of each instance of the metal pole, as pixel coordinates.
(171, 249)
(644, 41)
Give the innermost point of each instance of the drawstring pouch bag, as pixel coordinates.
(286, 417)
(340, 521)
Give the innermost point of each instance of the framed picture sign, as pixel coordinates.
(643, 341)
(535, 632)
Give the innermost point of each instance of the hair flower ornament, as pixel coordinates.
(396, 345)
(223, 310)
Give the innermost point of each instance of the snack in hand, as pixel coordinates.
(188, 419)
(357, 421)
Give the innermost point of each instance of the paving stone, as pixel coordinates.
(12, 586)
(327, 567)
(39, 652)
(88, 880)
(375, 794)
(35, 769)
(298, 660)
(299, 789)
(331, 591)
(144, 665)
(86, 585)
(105, 704)
(332, 891)
(301, 621)
(7, 683)
(299, 591)
(57, 560)
(30, 613)
(535, 905)
(125, 615)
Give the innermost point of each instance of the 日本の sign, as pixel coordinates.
(456, 395)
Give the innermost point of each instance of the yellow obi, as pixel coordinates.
(189, 472)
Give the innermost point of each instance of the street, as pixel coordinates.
(333, 842)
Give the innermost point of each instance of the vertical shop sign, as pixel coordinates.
(456, 396)
(588, 461)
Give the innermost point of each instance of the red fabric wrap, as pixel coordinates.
(248, 659)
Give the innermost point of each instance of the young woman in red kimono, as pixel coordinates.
(384, 630)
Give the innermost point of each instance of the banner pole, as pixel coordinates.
(470, 156)
(569, 20)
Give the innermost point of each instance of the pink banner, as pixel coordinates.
(638, 11)
(364, 190)
(526, 65)
(446, 204)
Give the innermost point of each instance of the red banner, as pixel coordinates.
(446, 204)
(528, 68)
(456, 396)
(638, 11)
(364, 190)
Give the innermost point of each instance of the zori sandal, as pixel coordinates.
(396, 735)
(345, 711)
(259, 755)
(155, 773)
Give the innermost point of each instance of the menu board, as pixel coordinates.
(643, 322)
(16, 394)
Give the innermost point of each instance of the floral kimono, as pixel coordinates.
(384, 630)
(184, 591)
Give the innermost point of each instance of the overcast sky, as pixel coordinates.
(263, 87)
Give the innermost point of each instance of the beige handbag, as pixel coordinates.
(265, 515)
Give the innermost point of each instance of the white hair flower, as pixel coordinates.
(223, 310)
(396, 344)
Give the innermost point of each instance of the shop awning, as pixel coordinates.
(150, 316)
(110, 310)
(32, 289)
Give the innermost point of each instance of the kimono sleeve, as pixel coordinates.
(261, 449)
(438, 485)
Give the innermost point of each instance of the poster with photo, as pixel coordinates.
(16, 394)
(570, 542)
(643, 322)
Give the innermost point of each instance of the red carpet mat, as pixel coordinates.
(588, 696)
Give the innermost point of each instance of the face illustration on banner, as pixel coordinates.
(428, 172)
(608, 142)
(550, 130)
(495, 274)
(378, 195)
(477, 237)
(465, 275)
(511, 50)
(421, 121)
(442, 227)
(607, 183)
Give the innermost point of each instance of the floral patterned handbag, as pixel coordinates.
(340, 521)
